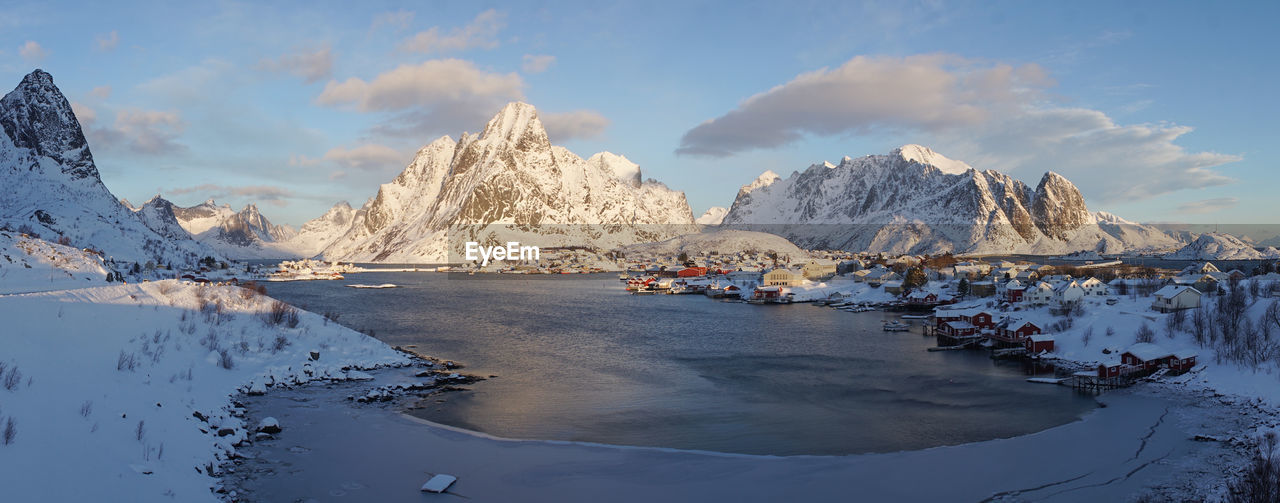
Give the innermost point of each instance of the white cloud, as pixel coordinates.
(367, 157)
(427, 83)
(268, 194)
(141, 131)
(397, 20)
(312, 66)
(108, 42)
(993, 116)
(576, 124)
(85, 115)
(32, 52)
(433, 96)
(481, 32)
(1208, 205)
(537, 63)
(101, 92)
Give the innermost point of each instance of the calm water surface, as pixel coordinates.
(576, 358)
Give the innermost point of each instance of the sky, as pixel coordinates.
(1158, 111)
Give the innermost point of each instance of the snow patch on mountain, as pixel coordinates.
(621, 167)
(713, 216)
(322, 231)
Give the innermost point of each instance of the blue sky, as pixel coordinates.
(1160, 111)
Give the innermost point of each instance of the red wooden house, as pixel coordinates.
(690, 272)
(1038, 343)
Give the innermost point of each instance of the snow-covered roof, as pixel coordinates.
(1171, 291)
(1147, 351)
(971, 311)
(1041, 338)
(959, 325)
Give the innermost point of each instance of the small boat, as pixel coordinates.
(896, 326)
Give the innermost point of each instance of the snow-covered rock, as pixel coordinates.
(914, 200)
(509, 181)
(1219, 246)
(713, 216)
(51, 184)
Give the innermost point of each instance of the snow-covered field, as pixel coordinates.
(104, 388)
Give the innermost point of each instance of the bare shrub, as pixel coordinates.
(12, 378)
(10, 431)
(126, 361)
(165, 287)
(141, 431)
(281, 313)
(1145, 334)
(86, 408)
(224, 359)
(1261, 480)
(279, 343)
(1111, 331)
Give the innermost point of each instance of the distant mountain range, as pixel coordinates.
(914, 200)
(510, 182)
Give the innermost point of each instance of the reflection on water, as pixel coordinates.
(578, 359)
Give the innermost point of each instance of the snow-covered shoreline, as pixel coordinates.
(129, 390)
(1143, 438)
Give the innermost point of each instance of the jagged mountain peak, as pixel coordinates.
(36, 116)
(517, 123)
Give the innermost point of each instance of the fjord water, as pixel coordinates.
(576, 358)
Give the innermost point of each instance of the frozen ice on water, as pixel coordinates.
(439, 483)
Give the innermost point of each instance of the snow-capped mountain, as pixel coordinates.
(237, 234)
(51, 185)
(158, 215)
(1219, 246)
(510, 181)
(319, 233)
(713, 216)
(915, 200)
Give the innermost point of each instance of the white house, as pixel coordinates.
(1174, 298)
(1040, 293)
(1067, 293)
(1094, 287)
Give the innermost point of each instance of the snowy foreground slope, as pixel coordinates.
(103, 386)
(914, 200)
(28, 265)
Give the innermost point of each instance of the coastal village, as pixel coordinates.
(1095, 320)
